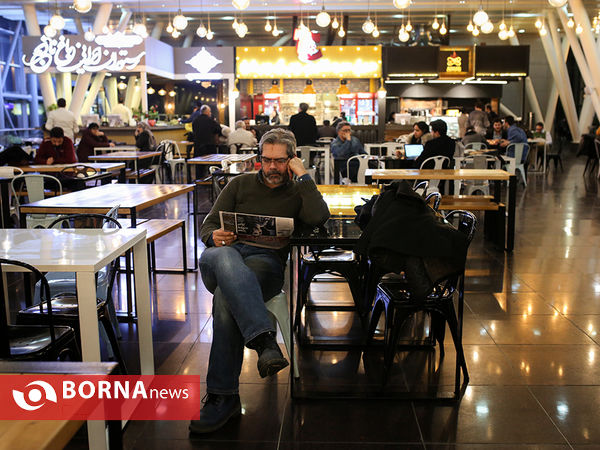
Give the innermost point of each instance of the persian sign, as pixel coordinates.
(116, 52)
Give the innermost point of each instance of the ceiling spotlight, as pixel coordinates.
(487, 27)
(376, 32)
(180, 21)
(323, 18)
(201, 31)
(368, 26)
(268, 26)
(480, 17)
(538, 23)
(557, 3)
(435, 25)
(470, 26)
(89, 35)
(57, 21)
(49, 31)
(475, 31)
(240, 4)
(401, 4)
(82, 6)
(571, 23)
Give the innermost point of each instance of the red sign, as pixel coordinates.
(306, 44)
(99, 397)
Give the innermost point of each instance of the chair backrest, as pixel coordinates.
(114, 212)
(33, 184)
(439, 162)
(421, 187)
(519, 150)
(44, 296)
(170, 150)
(434, 199)
(597, 145)
(79, 171)
(10, 171)
(85, 221)
(363, 165)
(463, 221)
(476, 146)
(480, 162)
(459, 148)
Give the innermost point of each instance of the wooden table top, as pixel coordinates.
(341, 199)
(102, 198)
(101, 167)
(123, 156)
(443, 174)
(216, 158)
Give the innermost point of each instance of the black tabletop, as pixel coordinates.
(335, 232)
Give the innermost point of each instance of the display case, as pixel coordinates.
(452, 123)
(360, 108)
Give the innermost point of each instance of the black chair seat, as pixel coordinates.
(28, 340)
(62, 305)
(330, 256)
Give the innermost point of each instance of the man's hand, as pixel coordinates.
(222, 238)
(50, 161)
(504, 143)
(296, 166)
(111, 144)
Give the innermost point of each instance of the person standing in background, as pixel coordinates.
(206, 129)
(304, 126)
(63, 118)
(479, 119)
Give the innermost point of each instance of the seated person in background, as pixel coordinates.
(241, 135)
(242, 277)
(514, 133)
(274, 118)
(440, 145)
(56, 150)
(471, 137)
(91, 137)
(495, 134)
(540, 133)
(345, 146)
(144, 139)
(420, 134)
(327, 130)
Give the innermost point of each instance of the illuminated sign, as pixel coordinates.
(456, 62)
(75, 55)
(306, 44)
(283, 62)
(203, 61)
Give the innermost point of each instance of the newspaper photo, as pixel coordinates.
(261, 231)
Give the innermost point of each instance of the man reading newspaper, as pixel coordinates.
(243, 276)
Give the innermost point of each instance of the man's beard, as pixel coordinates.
(274, 177)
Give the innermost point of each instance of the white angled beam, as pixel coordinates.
(144, 91)
(130, 90)
(157, 30)
(45, 80)
(92, 93)
(529, 90)
(507, 111)
(124, 20)
(553, 97)
(586, 38)
(112, 93)
(187, 42)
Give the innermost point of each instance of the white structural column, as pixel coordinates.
(586, 38)
(584, 68)
(530, 91)
(232, 99)
(45, 79)
(124, 20)
(129, 92)
(83, 80)
(92, 93)
(112, 94)
(553, 97)
(67, 82)
(157, 30)
(551, 46)
(136, 96)
(187, 42)
(144, 91)
(507, 111)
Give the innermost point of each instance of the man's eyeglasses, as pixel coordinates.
(279, 161)
(345, 130)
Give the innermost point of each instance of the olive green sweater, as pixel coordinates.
(248, 194)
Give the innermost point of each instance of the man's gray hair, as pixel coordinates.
(303, 106)
(341, 125)
(204, 108)
(279, 136)
(240, 124)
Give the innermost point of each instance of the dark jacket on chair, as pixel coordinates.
(304, 127)
(402, 225)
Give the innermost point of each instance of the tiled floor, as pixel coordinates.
(530, 339)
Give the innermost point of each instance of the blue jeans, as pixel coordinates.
(242, 278)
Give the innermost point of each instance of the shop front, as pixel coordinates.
(335, 80)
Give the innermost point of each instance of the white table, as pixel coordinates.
(459, 160)
(85, 252)
(327, 159)
(118, 148)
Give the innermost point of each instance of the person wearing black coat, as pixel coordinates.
(440, 145)
(206, 129)
(304, 127)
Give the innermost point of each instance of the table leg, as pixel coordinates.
(5, 204)
(195, 224)
(327, 167)
(512, 208)
(122, 178)
(90, 345)
(142, 306)
(292, 298)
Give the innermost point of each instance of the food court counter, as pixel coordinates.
(127, 134)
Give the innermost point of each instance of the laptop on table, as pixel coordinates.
(412, 151)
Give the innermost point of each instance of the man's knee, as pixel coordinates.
(220, 257)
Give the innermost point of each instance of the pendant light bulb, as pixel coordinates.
(571, 22)
(210, 35)
(511, 32)
(49, 31)
(368, 26)
(275, 32)
(341, 33)
(475, 31)
(538, 23)
(435, 25)
(480, 17)
(543, 31)
(57, 21)
(502, 25)
(240, 4)
(487, 27)
(557, 3)
(169, 28)
(403, 35)
(268, 26)
(578, 29)
(376, 32)
(201, 31)
(89, 35)
(323, 18)
(443, 29)
(82, 6)
(470, 27)
(140, 29)
(401, 4)
(235, 24)
(408, 27)
(180, 21)
(503, 34)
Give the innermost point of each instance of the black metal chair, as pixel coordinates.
(65, 307)
(433, 200)
(396, 302)
(47, 342)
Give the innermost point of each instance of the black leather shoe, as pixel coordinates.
(270, 358)
(217, 410)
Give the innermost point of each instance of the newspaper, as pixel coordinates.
(260, 231)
